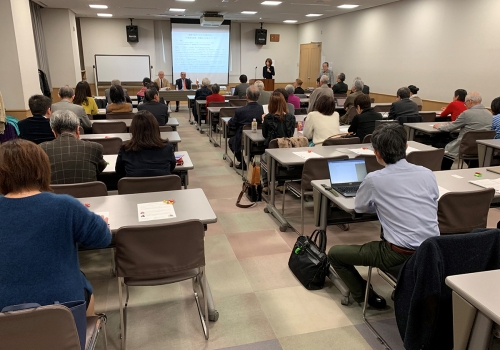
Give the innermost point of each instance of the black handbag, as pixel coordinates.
(308, 261)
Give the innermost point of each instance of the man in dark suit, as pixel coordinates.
(404, 110)
(244, 116)
(37, 128)
(71, 159)
(182, 84)
(340, 87)
(153, 105)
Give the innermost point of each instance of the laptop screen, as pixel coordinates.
(340, 102)
(344, 171)
(232, 91)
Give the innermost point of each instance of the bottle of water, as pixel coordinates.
(254, 125)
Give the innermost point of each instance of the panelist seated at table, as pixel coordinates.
(146, 153)
(404, 110)
(323, 122)
(153, 105)
(476, 117)
(364, 122)
(182, 84)
(161, 81)
(125, 92)
(455, 107)
(407, 210)
(118, 104)
(71, 159)
(40, 233)
(215, 96)
(244, 116)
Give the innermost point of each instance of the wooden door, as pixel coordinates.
(309, 64)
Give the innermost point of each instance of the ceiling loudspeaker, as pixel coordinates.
(132, 34)
(260, 36)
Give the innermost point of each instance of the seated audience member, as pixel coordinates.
(154, 85)
(340, 87)
(140, 95)
(153, 105)
(146, 153)
(292, 99)
(83, 97)
(264, 95)
(40, 261)
(107, 91)
(357, 89)
(326, 71)
(201, 94)
(404, 196)
(215, 96)
(476, 117)
(291, 108)
(277, 123)
(457, 106)
(244, 116)
(404, 110)
(366, 88)
(364, 122)
(323, 89)
(323, 122)
(414, 97)
(37, 128)
(240, 90)
(495, 109)
(71, 159)
(66, 104)
(118, 104)
(298, 87)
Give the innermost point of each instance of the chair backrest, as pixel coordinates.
(431, 159)
(380, 109)
(109, 127)
(220, 104)
(371, 163)
(468, 145)
(351, 114)
(367, 138)
(316, 169)
(227, 112)
(341, 141)
(82, 130)
(428, 116)
(120, 115)
(165, 128)
(340, 95)
(130, 185)
(230, 97)
(45, 327)
(302, 95)
(156, 251)
(462, 212)
(238, 103)
(111, 145)
(82, 190)
(273, 143)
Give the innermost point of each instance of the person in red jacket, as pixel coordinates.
(457, 106)
(215, 97)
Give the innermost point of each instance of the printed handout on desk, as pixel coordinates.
(155, 211)
(307, 155)
(411, 149)
(487, 183)
(104, 214)
(442, 191)
(363, 151)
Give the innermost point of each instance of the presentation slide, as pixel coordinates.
(200, 52)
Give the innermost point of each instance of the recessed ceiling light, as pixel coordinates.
(249, 12)
(176, 10)
(347, 6)
(272, 3)
(98, 6)
(290, 21)
(314, 15)
(105, 15)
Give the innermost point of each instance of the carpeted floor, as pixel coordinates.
(261, 304)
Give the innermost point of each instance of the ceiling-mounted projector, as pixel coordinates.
(211, 19)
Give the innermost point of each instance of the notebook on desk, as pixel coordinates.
(495, 170)
(347, 175)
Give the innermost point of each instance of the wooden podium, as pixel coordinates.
(268, 83)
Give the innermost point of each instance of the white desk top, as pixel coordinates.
(257, 136)
(494, 143)
(189, 204)
(111, 160)
(171, 121)
(426, 127)
(480, 289)
(172, 136)
(102, 111)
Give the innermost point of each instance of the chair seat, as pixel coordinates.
(185, 275)
(393, 272)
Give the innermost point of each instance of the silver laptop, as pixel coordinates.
(232, 91)
(347, 175)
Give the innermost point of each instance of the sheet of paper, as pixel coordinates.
(155, 211)
(307, 155)
(363, 151)
(442, 191)
(266, 110)
(431, 124)
(411, 149)
(103, 213)
(457, 176)
(487, 183)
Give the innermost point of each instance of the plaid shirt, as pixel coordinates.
(72, 160)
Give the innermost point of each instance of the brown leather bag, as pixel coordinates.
(251, 186)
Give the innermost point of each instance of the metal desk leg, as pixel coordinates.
(248, 145)
(226, 156)
(411, 135)
(485, 155)
(271, 208)
(189, 110)
(209, 114)
(323, 213)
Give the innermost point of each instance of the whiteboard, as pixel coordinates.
(126, 68)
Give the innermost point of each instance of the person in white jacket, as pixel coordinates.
(323, 122)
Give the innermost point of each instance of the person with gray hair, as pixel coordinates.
(356, 90)
(107, 91)
(404, 110)
(366, 88)
(326, 71)
(201, 94)
(292, 99)
(476, 117)
(71, 159)
(244, 116)
(67, 94)
(264, 95)
(324, 89)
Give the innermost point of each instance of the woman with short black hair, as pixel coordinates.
(118, 104)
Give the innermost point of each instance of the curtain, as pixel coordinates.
(41, 51)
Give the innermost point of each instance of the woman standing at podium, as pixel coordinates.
(268, 69)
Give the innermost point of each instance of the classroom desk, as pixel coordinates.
(191, 105)
(172, 136)
(287, 158)
(102, 111)
(225, 133)
(475, 308)
(189, 204)
(423, 127)
(486, 149)
(211, 112)
(304, 101)
(176, 95)
(173, 122)
(181, 170)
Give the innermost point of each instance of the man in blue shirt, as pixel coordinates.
(404, 196)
